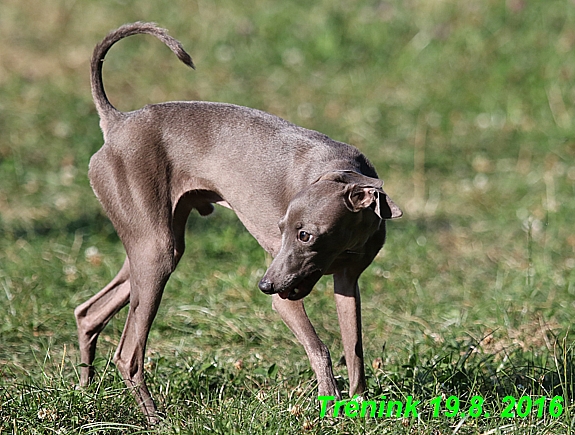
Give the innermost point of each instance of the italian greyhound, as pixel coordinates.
(316, 205)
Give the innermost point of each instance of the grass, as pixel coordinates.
(465, 108)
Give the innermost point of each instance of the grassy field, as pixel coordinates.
(465, 108)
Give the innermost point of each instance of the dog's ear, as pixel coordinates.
(363, 191)
(387, 209)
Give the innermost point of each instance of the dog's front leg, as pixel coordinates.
(294, 316)
(348, 305)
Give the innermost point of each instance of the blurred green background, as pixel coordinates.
(466, 110)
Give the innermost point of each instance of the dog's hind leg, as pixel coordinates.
(153, 255)
(94, 314)
(152, 232)
(151, 264)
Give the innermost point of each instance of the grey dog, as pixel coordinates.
(316, 205)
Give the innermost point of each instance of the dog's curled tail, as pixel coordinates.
(103, 105)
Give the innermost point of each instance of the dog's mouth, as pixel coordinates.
(301, 288)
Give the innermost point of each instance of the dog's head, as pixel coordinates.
(337, 213)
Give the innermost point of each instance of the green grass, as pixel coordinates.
(465, 108)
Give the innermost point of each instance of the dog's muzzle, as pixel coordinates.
(299, 290)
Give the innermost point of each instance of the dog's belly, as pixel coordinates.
(266, 232)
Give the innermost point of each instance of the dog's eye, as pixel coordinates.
(304, 236)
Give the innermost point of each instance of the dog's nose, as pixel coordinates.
(266, 286)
